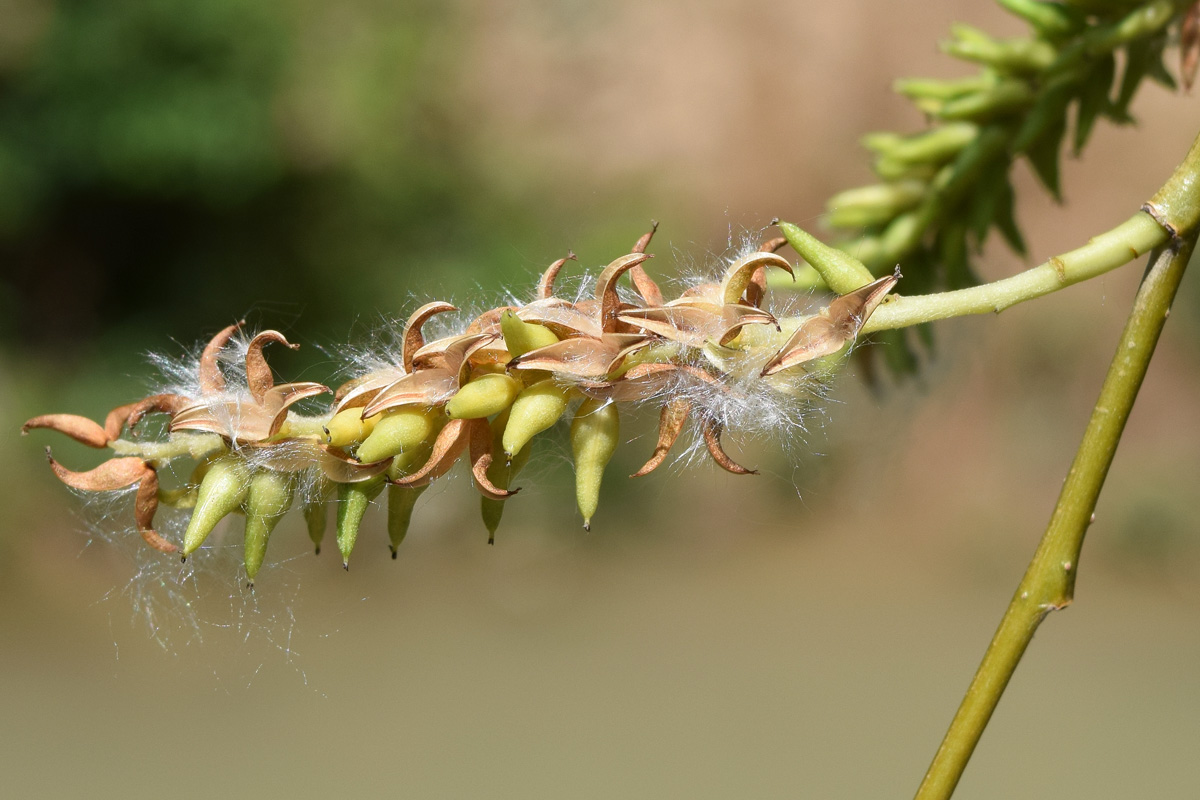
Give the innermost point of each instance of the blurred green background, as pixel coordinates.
(167, 167)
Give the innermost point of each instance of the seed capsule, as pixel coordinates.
(348, 427)
(536, 409)
(401, 500)
(316, 517)
(841, 271)
(501, 472)
(486, 395)
(397, 430)
(353, 501)
(267, 500)
(595, 432)
(222, 491)
(520, 336)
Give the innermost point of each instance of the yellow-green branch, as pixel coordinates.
(1131, 239)
(1049, 582)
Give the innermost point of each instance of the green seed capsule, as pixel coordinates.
(353, 501)
(267, 501)
(501, 472)
(842, 272)
(411, 459)
(316, 517)
(397, 430)
(348, 427)
(520, 336)
(595, 432)
(182, 498)
(222, 492)
(486, 395)
(536, 409)
(401, 500)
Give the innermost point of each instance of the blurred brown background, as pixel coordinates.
(166, 167)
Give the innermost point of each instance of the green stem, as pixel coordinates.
(196, 446)
(1133, 238)
(1049, 582)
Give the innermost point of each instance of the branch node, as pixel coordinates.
(1160, 216)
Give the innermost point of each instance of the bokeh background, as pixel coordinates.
(166, 167)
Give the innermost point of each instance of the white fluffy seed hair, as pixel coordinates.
(744, 403)
(180, 374)
(180, 604)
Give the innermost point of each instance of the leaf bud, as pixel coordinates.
(1005, 97)
(1011, 55)
(1051, 20)
(873, 205)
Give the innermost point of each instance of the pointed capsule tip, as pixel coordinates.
(394, 553)
(183, 559)
(587, 525)
(249, 584)
(346, 566)
(317, 550)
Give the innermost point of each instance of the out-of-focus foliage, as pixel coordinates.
(180, 160)
(944, 190)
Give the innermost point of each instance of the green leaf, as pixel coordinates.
(1093, 99)
(987, 148)
(1005, 220)
(925, 333)
(1044, 154)
(1139, 55)
(993, 206)
(1156, 69)
(981, 204)
(1049, 112)
(897, 353)
(954, 256)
